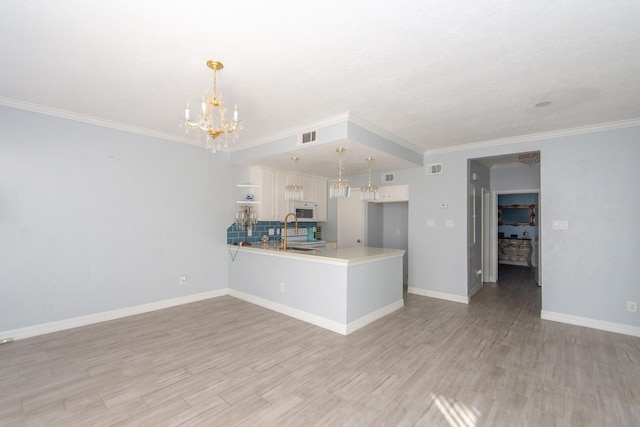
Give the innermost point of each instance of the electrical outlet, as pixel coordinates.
(632, 306)
(183, 280)
(281, 286)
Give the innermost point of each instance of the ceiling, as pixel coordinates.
(432, 74)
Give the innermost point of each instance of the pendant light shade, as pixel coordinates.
(369, 192)
(339, 188)
(294, 191)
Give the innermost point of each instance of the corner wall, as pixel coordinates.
(94, 219)
(588, 270)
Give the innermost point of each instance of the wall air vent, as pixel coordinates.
(307, 137)
(434, 168)
(388, 177)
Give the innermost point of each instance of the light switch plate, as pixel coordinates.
(448, 223)
(431, 223)
(560, 225)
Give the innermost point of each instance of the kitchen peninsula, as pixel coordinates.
(337, 289)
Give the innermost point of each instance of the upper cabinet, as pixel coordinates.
(393, 193)
(272, 183)
(320, 188)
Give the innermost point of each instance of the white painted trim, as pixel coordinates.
(96, 121)
(332, 325)
(439, 295)
(475, 289)
(602, 325)
(601, 127)
(372, 317)
(75, 322)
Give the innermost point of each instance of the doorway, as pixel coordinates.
(491, 176)
(382, 225)
(511, 234)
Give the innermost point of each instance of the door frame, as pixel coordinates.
(494, 227)
(485, 241)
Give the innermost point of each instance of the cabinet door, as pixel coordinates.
(267, 210)
(281, 205)
(308, 185)
(393, 193)
(320, 190)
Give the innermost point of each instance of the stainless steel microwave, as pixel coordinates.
(305, 211)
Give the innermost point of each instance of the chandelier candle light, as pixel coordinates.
(294, 191)
(369, 192)
(245, 217)
(340, 187)
(217, 130)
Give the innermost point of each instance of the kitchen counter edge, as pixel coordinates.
(344, 256)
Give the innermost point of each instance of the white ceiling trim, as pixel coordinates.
(83, 118)
(622, 124)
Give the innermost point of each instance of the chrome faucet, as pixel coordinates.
(284, 238)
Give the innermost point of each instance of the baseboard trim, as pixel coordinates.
(439, 295)
(75, 322)
(372, 317)
(322, 322)
(474, 290)
(591, 323)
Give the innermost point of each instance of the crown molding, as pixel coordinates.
(600, 127)
(83, 118)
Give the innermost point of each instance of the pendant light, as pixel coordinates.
(339, 188)
(369, 192)
(294, 191)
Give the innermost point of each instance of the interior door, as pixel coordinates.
(351, 223)
(486, 247)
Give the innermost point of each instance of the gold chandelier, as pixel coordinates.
(218, 131)
(530, 159)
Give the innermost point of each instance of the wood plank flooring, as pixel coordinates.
(225, 362)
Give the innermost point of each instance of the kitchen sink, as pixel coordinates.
(302, 250)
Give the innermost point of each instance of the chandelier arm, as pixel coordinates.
(207, 121)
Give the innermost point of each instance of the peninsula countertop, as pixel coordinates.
(341, 256)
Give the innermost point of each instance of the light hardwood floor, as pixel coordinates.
(226, 362)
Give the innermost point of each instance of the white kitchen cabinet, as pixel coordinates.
(393, 193)
(264, 199)
(283, 178)
(320, 197)
(269, 194)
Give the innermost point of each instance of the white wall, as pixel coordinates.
(94, 219)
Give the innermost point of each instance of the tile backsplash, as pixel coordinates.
(235, 234)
